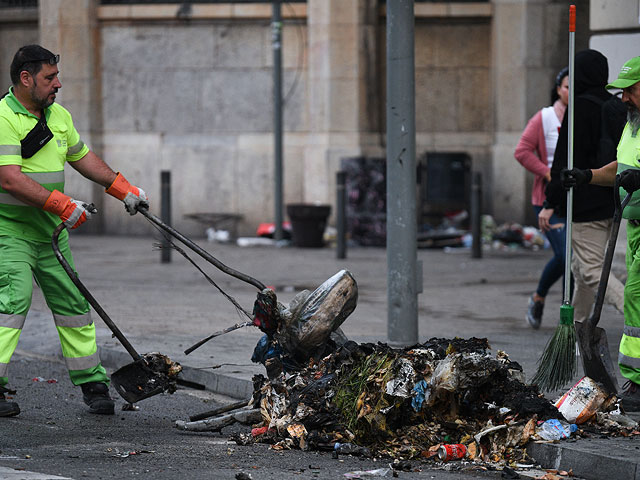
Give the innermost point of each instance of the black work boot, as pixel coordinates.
(7, 409)
(96, 395)
(630, 397)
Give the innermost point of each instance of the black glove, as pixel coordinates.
(630, 180)
(574, 177)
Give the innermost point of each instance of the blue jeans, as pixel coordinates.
(554, 269)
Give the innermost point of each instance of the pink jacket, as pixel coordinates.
(531, 152)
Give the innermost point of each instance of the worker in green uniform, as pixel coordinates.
(627, 167)
(37, 137)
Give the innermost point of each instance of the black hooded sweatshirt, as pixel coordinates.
(590, 202)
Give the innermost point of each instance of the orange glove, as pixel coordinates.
(131, 195)
(72, 212)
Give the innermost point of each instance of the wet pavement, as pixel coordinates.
(168, 307)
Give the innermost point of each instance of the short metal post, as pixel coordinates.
(341, 215)
(476, 215)
(165, 213)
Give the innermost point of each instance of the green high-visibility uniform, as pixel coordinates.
(25, 244)
(629, 356)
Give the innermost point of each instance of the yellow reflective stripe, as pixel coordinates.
(73, 321)
(11, 320)
(46, 177)
(82, 363)
(76, 148)
(10, 150)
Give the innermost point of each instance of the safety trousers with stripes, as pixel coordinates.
(629, 356)
(22, 261)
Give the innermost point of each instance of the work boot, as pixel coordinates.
(534, 313)
(96, 395)
(7, 409)
(630, 397)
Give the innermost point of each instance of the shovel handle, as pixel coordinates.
(200, 251)
(92, 301)
(593, 320)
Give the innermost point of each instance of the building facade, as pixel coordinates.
(186, 87)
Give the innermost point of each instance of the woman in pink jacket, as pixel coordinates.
(535, 152)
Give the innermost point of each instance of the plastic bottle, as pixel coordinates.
(351, 449)
(554, 429)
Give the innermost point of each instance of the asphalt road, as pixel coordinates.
(55, 435)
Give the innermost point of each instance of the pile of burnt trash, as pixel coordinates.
(403, 403)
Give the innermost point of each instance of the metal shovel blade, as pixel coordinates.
(596, 358)
(152, 374)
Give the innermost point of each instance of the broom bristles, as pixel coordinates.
(558, 364)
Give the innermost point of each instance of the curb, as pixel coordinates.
(591, 459)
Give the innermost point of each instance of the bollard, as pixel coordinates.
(476, 215)
(341, 215)
(165, 213)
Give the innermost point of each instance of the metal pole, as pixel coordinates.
(476, 215)
(402, 315)
(165, 212)
(276, 42)
(341, 223)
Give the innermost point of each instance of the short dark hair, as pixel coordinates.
(30, 58)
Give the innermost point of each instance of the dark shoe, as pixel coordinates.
(630, 397)
(7, 408)
(534, 313)
(96, 395)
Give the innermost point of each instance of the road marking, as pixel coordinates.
(7, 473)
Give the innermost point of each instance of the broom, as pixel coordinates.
(557, 365)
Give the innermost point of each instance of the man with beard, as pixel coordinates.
(628, 167)
(37, 137)
(592, 204)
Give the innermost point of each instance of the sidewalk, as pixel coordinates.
(169, 307)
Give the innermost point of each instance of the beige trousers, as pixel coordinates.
(589, 243)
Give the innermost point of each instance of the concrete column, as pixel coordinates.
(70, 28)
(341, 52)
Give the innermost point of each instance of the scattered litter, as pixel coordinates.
(243, 476)
(130, 407)
(378, 472)
(40, 379)
(554, 429)
(452, 452)
(130, 453)
(582, 401)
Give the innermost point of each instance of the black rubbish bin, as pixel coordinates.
(308, 222)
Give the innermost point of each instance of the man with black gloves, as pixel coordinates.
(627, 167)
(37, 137)
(593, 205)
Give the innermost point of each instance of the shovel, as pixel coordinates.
(149, 374)
(592, 340)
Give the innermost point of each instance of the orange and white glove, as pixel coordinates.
(132, 196)
(72, 212)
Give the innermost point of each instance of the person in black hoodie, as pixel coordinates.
(592, 204)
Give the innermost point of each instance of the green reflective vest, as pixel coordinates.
(45, 167)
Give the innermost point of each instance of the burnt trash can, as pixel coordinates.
(308, 222)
